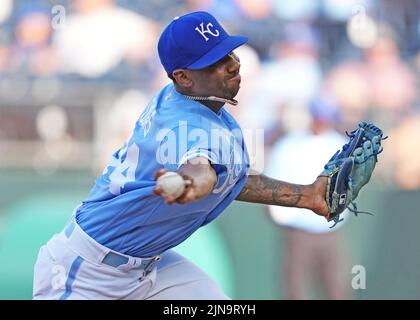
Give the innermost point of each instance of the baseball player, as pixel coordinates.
(117, 245)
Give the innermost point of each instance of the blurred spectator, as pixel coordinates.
(404, 17)
(293, 76)
(403, 142)
(101, 35)
(313, 251)
(31, 52)
(381, 86)
(255, 9)
(392, 82)
(348, 83)
(296, 10)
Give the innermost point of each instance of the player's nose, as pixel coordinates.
(234, 66)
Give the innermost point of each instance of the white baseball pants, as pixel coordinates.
(74, 266)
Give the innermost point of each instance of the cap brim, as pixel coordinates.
(218, 52)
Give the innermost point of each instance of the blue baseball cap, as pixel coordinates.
(195, 41)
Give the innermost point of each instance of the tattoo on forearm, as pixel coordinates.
(262, 189)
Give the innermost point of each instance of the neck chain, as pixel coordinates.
(212, 98)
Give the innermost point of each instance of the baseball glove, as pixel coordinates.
(350, 169)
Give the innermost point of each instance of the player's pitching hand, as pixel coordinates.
(170, 199)
(319, 205)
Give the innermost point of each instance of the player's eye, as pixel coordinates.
(223, 61)
(218, 63)
(234, 57)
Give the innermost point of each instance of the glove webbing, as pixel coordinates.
(354, 210)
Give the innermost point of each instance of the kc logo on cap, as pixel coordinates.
(202, 31)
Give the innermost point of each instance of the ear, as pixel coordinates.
(182, 77)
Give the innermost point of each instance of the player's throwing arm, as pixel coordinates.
(193, 181)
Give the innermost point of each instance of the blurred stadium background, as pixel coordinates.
(75, 74)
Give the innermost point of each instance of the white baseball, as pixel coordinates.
(172, 184)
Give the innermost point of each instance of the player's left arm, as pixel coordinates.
(265, 190)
